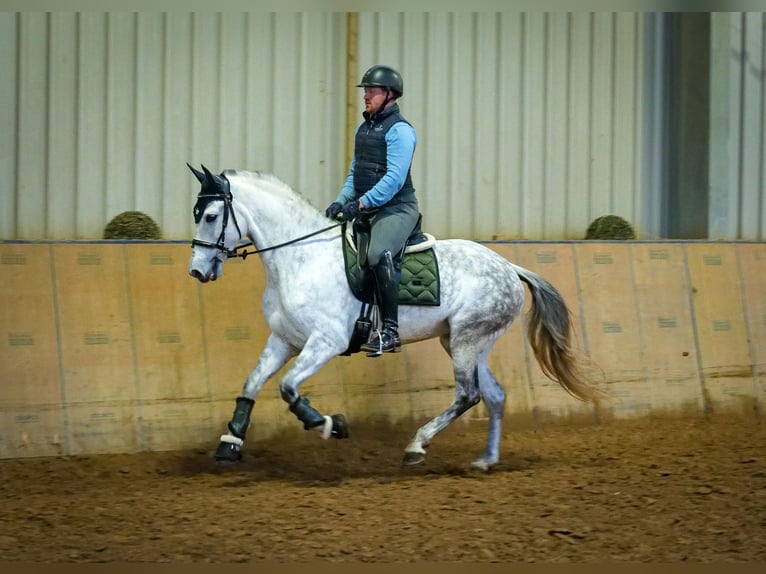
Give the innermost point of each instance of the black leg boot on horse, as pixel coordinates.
(386, 340)
(231, 444)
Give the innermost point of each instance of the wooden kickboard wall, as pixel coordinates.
(112, 347)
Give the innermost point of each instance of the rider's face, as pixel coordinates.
(374, 96)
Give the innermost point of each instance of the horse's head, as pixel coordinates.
(217, 232)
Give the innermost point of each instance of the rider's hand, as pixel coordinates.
(351, 210)
(333, 210)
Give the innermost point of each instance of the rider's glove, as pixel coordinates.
(351, 210)
(333, 210)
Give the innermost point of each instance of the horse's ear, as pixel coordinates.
(198, 174)
(210, 177)
(219, 182)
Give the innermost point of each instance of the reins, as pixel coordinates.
(221, 192)
(233, 252)
(244, 254)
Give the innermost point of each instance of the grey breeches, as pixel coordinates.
(391, 227)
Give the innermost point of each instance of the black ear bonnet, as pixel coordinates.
(214, 188)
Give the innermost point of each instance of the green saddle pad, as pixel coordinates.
(419, 283)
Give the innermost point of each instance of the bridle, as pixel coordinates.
(203, 199)
(223, 193)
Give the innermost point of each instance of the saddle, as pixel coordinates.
(415, 265)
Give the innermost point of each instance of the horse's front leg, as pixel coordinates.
(275, 355)
(319, 349)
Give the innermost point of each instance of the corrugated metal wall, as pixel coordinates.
(530, 125)
(738, 126)
(100, 112)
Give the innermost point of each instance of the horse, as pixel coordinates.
(311, 311)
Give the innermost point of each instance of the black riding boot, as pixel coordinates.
(387, 288)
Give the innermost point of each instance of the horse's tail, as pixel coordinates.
(549, 326)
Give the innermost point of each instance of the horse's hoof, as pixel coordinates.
(413, 458)
(228, 453)
(339, 426)
(482, 464)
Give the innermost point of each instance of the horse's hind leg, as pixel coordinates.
(464, 366)
(493, 396)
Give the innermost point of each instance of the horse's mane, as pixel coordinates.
(271, 184)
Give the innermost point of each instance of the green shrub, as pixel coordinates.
(610, 227)
(132, 225)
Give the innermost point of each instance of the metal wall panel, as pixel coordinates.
(529, 124)
(9, 32)
(100, 112)
(31, 127)
(752, 96)
(737, 143)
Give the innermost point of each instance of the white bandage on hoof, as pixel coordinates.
(231, 439)
(326, 429)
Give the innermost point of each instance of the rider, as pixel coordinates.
(380, 178)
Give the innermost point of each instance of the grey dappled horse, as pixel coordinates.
(311, 311)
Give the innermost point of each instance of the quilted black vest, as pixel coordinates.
(370, 155)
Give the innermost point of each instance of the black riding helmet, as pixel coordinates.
(384, 77)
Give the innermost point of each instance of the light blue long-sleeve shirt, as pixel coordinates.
(400, 148)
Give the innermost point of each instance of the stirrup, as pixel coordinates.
(377, 350)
